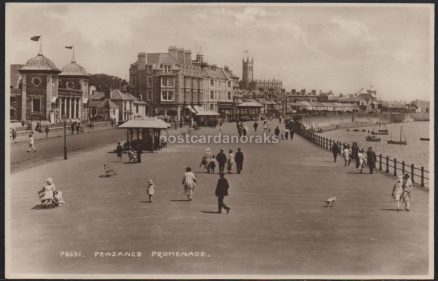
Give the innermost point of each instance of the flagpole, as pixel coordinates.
(41, 46)
(73, 53)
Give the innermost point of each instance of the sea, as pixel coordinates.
(416, 152)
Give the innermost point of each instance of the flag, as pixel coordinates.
(35, 38)
(69, 47)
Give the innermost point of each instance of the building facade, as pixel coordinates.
(217, 89)
(42, 92)
(168, 82)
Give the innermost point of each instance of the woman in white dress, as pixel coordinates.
(49, 188)
(397, 191)
(189, 183)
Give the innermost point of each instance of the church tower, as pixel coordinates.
(247, 73)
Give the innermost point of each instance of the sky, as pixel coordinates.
(342, 48)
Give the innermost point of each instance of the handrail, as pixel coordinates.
(396, 166)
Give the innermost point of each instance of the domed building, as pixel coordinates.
(73, 91)
(46, 93)
(39, 89)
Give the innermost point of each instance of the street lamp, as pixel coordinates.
(64, 117)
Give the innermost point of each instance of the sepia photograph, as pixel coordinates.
(219, 141)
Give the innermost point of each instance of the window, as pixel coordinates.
(229, 84)
(211, 106)
(211, 82)
(136, 108)
(166, 68)
(211, 95)
(149, 94)
(167, 82)
(70, 84)
(167, 96)
(36, 105)
(170, 82)
(36, 81)
(229, 95)
(149, 81)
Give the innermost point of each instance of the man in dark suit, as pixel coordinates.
(221, 192)
(239, 160)
(221, 158)
(371, 159)
(335, 150)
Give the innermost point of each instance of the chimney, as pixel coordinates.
(188, 57)
(180, 59)
(213, 67)
(173, 52)
(200, 58)
(108, 93)
(141, 61)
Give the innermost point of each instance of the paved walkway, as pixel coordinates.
(277, 224)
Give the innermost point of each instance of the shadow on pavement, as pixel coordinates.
(394, 210)
(180, 200)
(210, 212)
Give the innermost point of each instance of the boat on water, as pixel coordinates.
(420, 116)
(383, 131)
(397, 117)
(425, 139)
(402, 142)
(373, 138)
(356, 130)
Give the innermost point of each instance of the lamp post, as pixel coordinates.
(65, 136)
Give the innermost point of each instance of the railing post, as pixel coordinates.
(387, 164)
(380, 162)
(422, 176)
(412, 173)
(403, 167)
(395, 166)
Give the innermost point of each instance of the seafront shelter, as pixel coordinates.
(249, 108)
(145, 132)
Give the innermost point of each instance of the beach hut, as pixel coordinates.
(144, 131)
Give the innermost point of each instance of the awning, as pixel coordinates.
(189, 107)
(207, 113)
(53, 100)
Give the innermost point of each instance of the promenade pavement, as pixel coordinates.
(277, 224)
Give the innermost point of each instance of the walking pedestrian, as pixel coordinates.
(150, 190)
(221, 158)
(371, 159)
(292, 132)
(277, 132)
(222, 191)
(256, 125)
(31, 144)
(72, 127)
(407, 191)
(239, 160)
(189, 183)
(47, 131)
(230, 162)
(335, 151)
(361, 157)
(286, 134)
(139, 151)
(206, 159)
(78, 127)
(346, 154)
(212, 164)
(14, 134)
(397, 191)
(119, 151)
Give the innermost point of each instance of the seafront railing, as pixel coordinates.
(385, 164)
